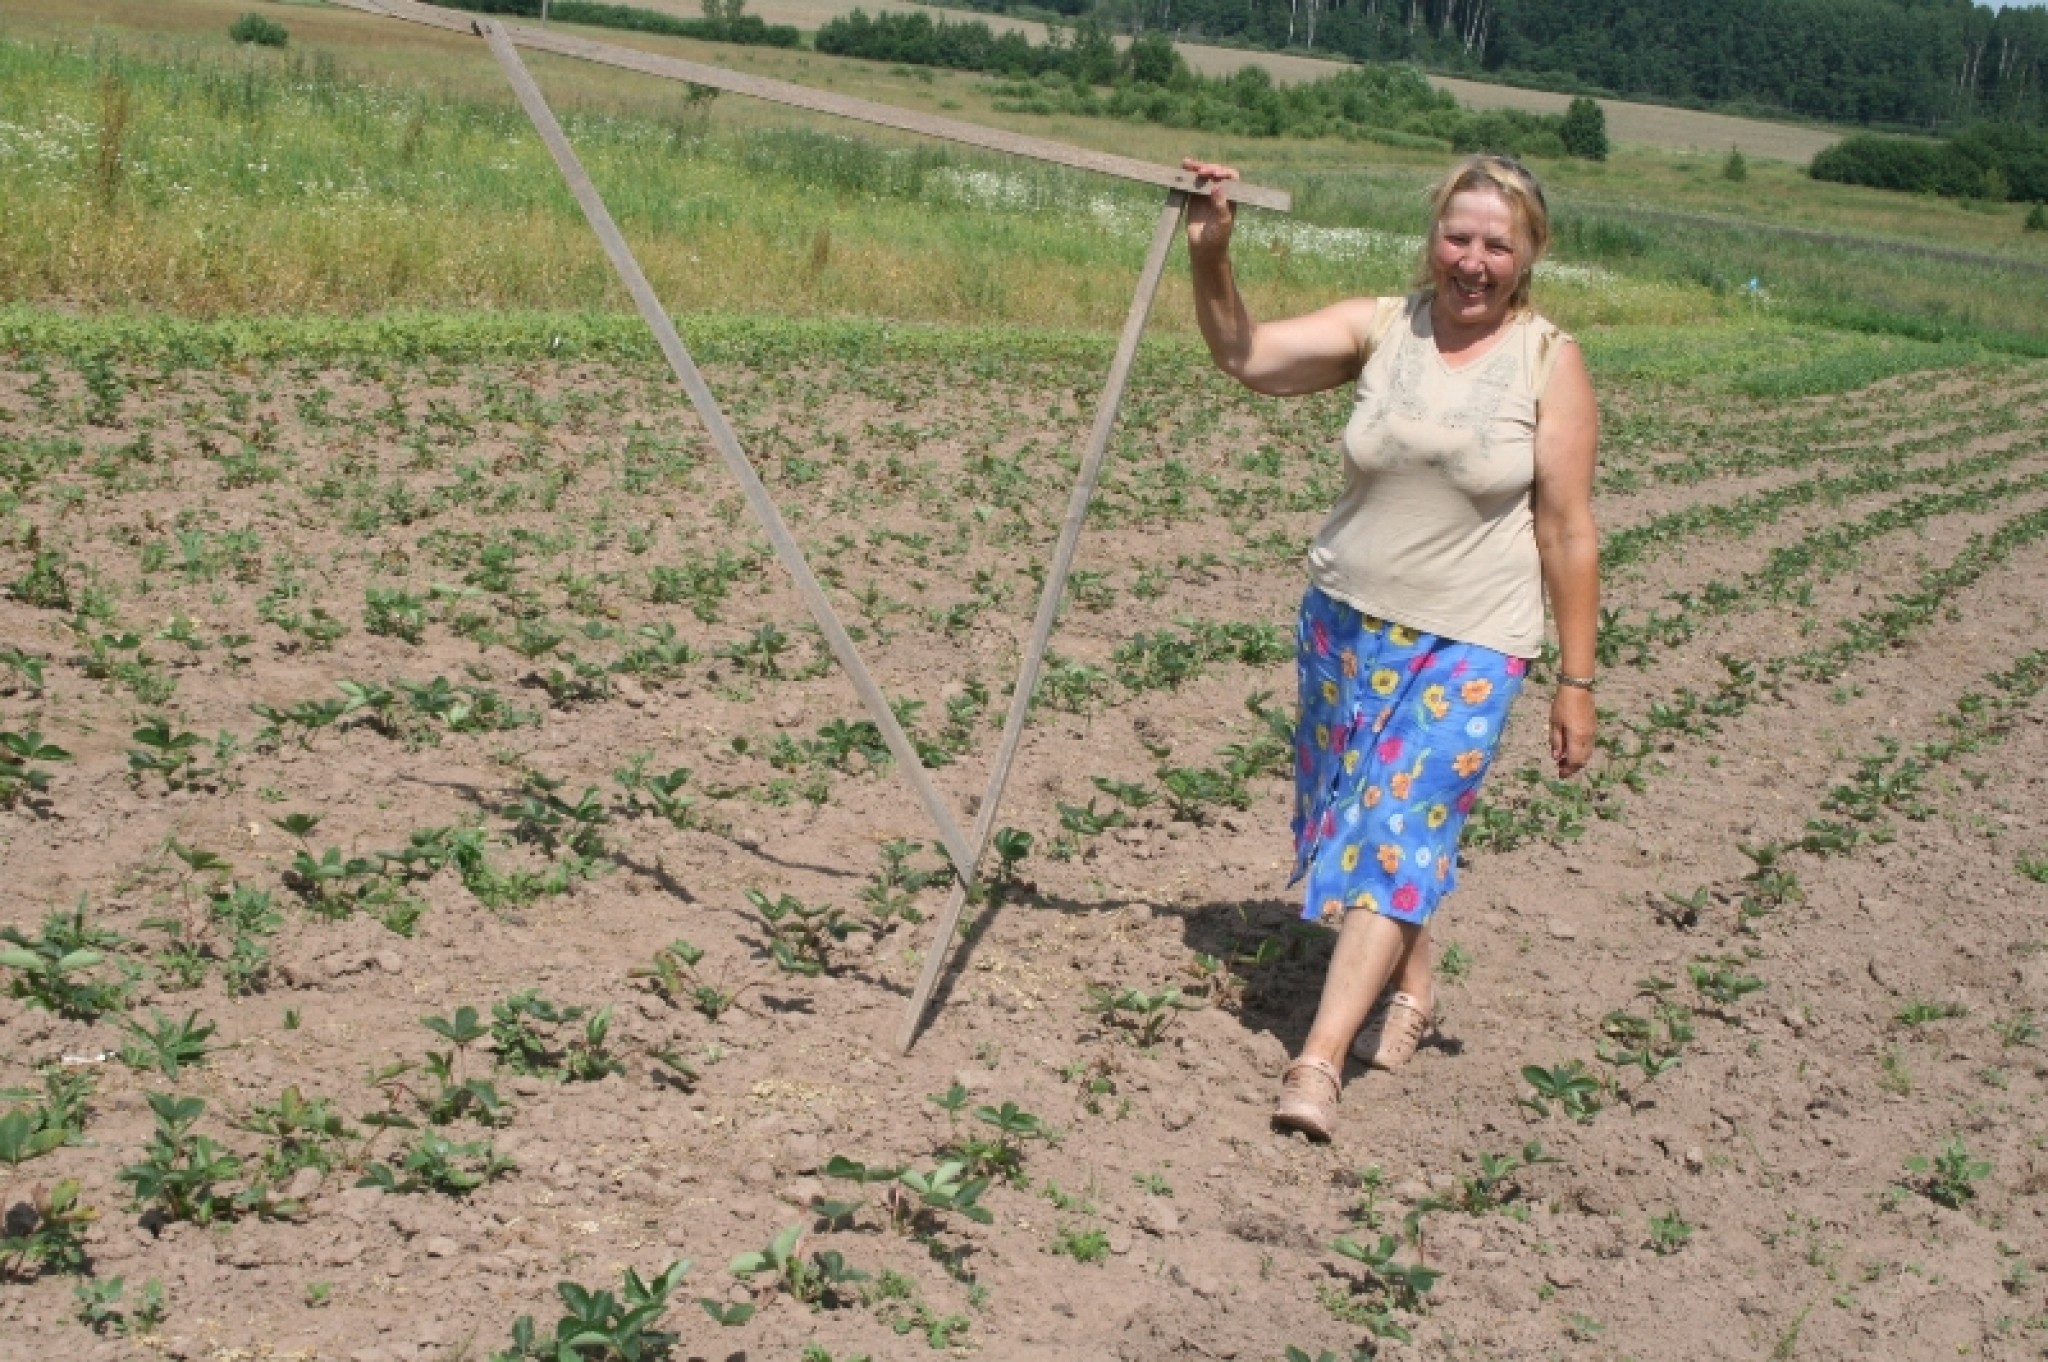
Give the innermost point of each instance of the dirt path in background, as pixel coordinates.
(1648, 124)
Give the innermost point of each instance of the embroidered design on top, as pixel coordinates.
(1483, 396)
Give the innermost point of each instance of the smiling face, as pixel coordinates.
(1477, 257)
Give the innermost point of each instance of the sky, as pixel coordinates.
(2017, 4)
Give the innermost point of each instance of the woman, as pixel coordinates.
(1468, 493)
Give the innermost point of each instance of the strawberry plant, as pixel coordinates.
(527, 1032)
(181, 1174)
(1576, 1093)
(1143, 1016)
(51, 968)
(801, 936)
(601, 1327)
(821, 1281)
(19, 777)
(434, 1163)
(167, 1045)
(304, 1132)
(98, 1302)
(49, 1237)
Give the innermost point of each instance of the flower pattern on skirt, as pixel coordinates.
(1396, 732)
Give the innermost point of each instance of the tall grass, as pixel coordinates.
(232, 183)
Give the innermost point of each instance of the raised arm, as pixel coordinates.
(1567, 438)
(1324, 349)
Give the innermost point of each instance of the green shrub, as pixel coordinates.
(1584, 130)
(1735, 169)
(2037, 218)
(254, 28)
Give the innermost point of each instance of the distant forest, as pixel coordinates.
(1927, 64)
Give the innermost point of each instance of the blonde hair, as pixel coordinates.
(1517, 187)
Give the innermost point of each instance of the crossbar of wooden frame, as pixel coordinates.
(965, 852)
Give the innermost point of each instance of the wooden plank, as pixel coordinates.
(728, 445)
(843, 106)
(1163, 234)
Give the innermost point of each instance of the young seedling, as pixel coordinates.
(181, 1174)
(1577, 1093)
(167, 1045)
(674, 979)
(1722, 982)
(1950, 1177)
(599, 1325)
(822, 1281)
(303, 1133)
(97, 1302)
(433, 1163)
(1144, 1016)
(1003, 1156)
(1669, 1232)
(945, 1188)
(50, 1237)
(801, 936)
(51, 967)
(20, 778)
(1082, 1245)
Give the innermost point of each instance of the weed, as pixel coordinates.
(1722, 982)
(1919, 1012)
(1669, 1232)
(1152, 1184)
(1082, 1245)
(1950, 1177)
(517, 1034)
(167, 1045)
(2018, 1029)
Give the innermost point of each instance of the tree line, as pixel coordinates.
(1148, 81)
(1926, 64)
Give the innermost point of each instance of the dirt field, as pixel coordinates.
(1808, 868)
(1647, 124)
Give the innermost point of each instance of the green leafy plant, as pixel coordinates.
(1574, 1091)
(823, 1280)
(801, 937)
(534, 1036)
(51, 968)
(167, 1045)
(255, 29)
(1669, 1232)
(20, 778)
(1722, 982)
(1950, 1177)
(50, 1237)
(181, 1174)
(304, 1132)
(598, 1326)
(98, 1308)
(1082, 1245)
(1144, 1016)
(434, 1163)
(1919, 1012)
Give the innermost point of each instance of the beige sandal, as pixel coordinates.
(1309, 1090)
(1390, 1035)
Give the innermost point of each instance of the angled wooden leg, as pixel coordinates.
(1163, 234)
(763, 505)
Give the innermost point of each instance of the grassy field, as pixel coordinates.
(392, 683)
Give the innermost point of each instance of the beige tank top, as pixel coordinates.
(1436, 528)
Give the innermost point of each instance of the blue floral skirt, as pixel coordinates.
(1397, 730)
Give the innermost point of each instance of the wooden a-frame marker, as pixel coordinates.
(965, 851)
